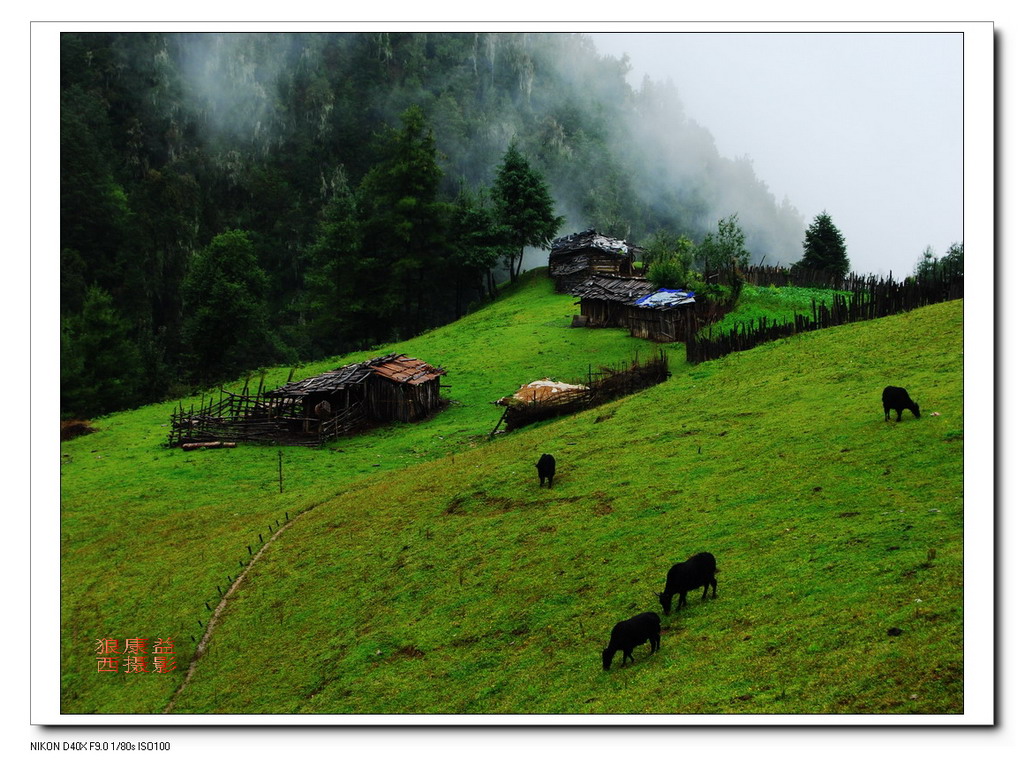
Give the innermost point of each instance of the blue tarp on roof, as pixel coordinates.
(666, 297)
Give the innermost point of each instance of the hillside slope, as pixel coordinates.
(150, 536)
(459, 586)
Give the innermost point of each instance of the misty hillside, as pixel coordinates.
(249, 184)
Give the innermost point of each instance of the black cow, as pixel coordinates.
(698, 571)
(897, 399)
(628, 634)
(546, 469)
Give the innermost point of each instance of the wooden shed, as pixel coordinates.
(604, 301)
(649, 312)
(577, 257)
(321, 408)
(389, 388)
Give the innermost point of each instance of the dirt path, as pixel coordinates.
(212, 623)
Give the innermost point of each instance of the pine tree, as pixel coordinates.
(332, 301)
(525, 208)
(100, 368)
(824, 247)
(477, 240)
(403, 227)
(226, 329)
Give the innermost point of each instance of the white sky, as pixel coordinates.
(865, 126)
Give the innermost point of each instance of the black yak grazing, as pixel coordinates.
(546, 469)
(698, 571)
(897, 399)
(628, 634)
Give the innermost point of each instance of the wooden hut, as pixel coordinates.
(604, 300)
(389, 388)
(403, 388)
(320, 408)
(664, 315)
(658, 314)
(582, 255)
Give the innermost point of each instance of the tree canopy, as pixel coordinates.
(226, 331)
(824, 247)
(344, 158)
(524, 208)
(929, 265)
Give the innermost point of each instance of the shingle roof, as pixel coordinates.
(395, 367)
(592, 240)
(622, 289)
(570, 265)
(331, 381)
(405, 370)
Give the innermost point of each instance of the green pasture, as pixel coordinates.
(777, 303)
(428, 572)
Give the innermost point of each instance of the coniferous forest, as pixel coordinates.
(230, 201)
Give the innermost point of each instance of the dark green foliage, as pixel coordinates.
(477, 245)
(101, 368)
(722, 254)
(824, 247)
(169, 140)
(524, 207)
(226, 330)
(332, 300)
(954, 258)
(666, 274)
(929, 266)
(669, 260)
(403, 229)
(723, 250)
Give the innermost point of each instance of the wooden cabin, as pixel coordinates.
(403, 388)
(664, 315)
(604, 301)
(389, 388)
(320, 408)
(577, 257)
(658, 314)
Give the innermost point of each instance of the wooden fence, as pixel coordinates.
(800, 277)
(873, 298)
(234, 417)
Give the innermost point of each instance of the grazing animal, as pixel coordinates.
(897, 399)
(628, 634)
(698, 571)
(546, 469)
(323, 410)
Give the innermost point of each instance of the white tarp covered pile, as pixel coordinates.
(542, 389)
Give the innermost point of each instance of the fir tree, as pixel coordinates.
(824, 247)
(403, 226)
(525, 208)
(226, 330)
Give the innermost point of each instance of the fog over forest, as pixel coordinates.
(345, 184)
(650, 144)
(866, 125)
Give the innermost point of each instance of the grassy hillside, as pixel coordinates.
(429, 573)
(775, 302)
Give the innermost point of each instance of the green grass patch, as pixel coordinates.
(777, 303)
(429, 572)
